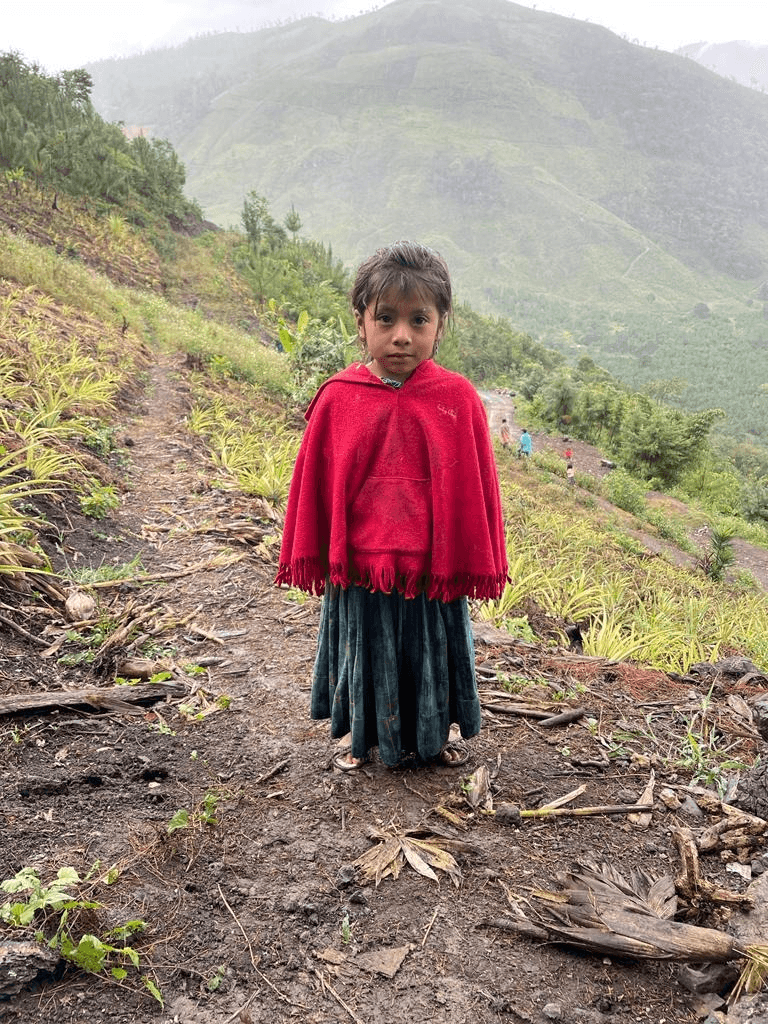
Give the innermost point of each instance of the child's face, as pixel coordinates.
(400, 332)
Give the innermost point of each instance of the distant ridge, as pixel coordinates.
(592, 190)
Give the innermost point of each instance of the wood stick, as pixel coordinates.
(546, 812)
(279, 767)
(512, 814)
(429, 927)
(516, 709)
(23, 632)
(111, 698)
(564, 718)
(328, 987)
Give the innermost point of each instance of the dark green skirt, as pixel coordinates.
(394, 672)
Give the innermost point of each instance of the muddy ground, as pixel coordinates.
(256, 914)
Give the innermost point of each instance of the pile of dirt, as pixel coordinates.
(253, 908)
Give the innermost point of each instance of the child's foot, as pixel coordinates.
(346, 763)
(454, 753)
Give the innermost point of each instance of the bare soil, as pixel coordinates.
(264, 899)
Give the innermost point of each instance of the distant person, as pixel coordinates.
(567, 454)
(506, 437)
(570, 475)
(394, 515)
(525, 445)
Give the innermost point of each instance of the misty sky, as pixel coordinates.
(61, 34)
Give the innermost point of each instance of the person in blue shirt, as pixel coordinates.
(525, 445)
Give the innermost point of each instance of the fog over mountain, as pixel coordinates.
(594, 191)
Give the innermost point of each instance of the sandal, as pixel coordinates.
(344, 764)
(453, 754)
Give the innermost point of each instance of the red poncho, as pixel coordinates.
(396, 489)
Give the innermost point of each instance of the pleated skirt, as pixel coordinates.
(394, 672)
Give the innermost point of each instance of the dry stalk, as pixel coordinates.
(328, 987)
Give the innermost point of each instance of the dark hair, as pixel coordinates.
(403, 267)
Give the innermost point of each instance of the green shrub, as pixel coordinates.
(622, 489)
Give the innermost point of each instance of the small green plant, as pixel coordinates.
(514, 683)
(702, 752)
(346, 930)
(715, 560)
(107, 573)
(215, 981)
(161, 726)
(520, 627)
(101, 439)
(50, 907)
(88, 643)
(101, 500)
(220, 368)
(205, 813)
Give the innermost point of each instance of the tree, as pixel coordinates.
(260, 226)
(661, 443)
(293, 223)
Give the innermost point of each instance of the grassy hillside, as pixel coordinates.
(75, 346)
(585, 187)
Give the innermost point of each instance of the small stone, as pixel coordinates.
(345, 876)
(626, 796)
(669, 798)
(689, 806)
(553, 1011)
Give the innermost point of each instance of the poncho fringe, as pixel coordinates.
(309, 574)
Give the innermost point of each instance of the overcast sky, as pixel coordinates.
(61, 34)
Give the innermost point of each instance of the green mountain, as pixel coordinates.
(594, 191)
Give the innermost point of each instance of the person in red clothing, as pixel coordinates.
(394, 515)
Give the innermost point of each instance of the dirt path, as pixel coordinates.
(256, 910)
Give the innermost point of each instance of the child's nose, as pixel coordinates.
(402, 332)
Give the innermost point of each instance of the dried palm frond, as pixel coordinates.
(599, 909)
(426, 852)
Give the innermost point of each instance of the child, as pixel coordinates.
(505, 435)
(570, 475)
(394, 515)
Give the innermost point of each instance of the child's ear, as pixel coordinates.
(359, 320)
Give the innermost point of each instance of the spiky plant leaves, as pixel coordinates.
(417, 862)
(435, 855)
(425, 851)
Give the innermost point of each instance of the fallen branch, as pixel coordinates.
(689, 882)
(218, 562)
(23, 632)
(327, 986)
(111, 698)
(279, 767)
(564, 718)
(521, 710)
(598, 909)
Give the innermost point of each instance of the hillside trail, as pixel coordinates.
(255, 910)
(588, 459)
